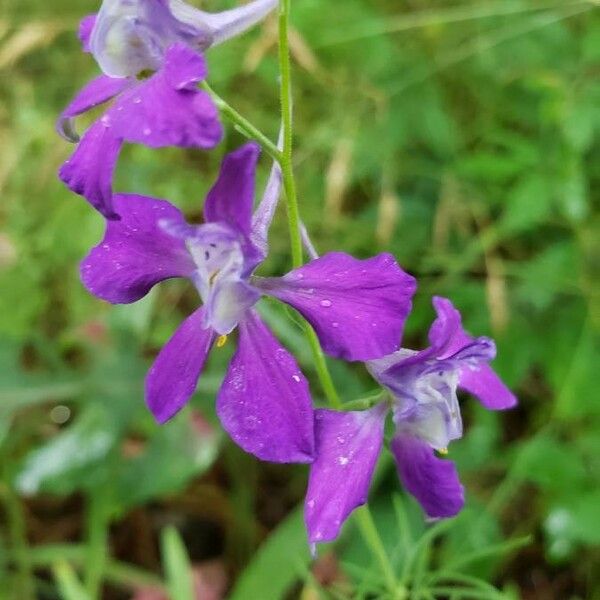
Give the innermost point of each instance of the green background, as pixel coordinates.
(460, 136)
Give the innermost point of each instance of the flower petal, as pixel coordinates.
(135, 253)
(432, 481)
(264, 403)
(173, 377)
(131, 36)
(347, 447)
(450, 340)
(90, 169)
(357, 307)
(85, 31)
(226, 24)
(99, 90)
(166, 109)
(231, 198)
(483, 383)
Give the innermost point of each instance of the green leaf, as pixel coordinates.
(576, 520)
(528, 205)
(178, 570)
(176, 452)
(63, 464)
(69, 585)
(269, 575)
(551, 464)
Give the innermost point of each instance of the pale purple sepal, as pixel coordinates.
(347, 447)
(231, 198)
(131, 36)
(85, 31)
(307, 242)
(263, 216)
(227, 303)
(432, 481)
(264, 402)
(227, 24)
(357, 307)
(135, 252)
(89, 171)
(173, 377)
(96, 92)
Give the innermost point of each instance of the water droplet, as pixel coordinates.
(137, 100)
(251, 422)
(296, 378)
(340, 439)
(335, 324)
(343, 460)
(310, 504)
(147, 131)
(325, 303)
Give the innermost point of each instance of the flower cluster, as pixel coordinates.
(151, 55)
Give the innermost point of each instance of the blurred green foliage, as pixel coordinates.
(462, 137)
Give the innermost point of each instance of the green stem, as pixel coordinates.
(289, 185)
(18, 538)
(97, 542)
(121, 574)
(366, 402)
(241, 123)
(285, 93)
(371, 537)
(365, 521)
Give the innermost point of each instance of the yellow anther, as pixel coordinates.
(221, 341)
(443, 451)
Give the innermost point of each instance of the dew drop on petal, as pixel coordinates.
(325, 303)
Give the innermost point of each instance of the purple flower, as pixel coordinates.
(358, 307)
(426, 417)
(130, 40)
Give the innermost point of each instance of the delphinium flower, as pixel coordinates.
(150, 54)
(422, 388)
(357, 307)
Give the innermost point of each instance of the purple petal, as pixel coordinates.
(85, 31)
(432, 481)
(90, 169)
(482, 382)
(166, 110)
(357, 307)
(264, 403)
(450, 340)
(347, 447)
(173, 377)
(231, 198)
(96, 92)
(446, 335)
(135, 253)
